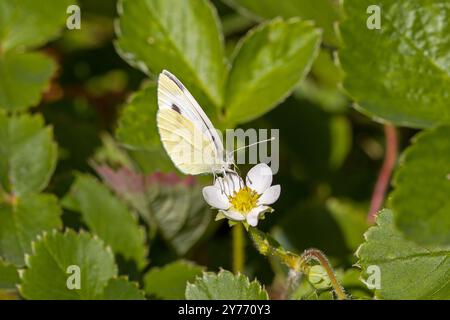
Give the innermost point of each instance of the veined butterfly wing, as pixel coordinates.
(186, 132)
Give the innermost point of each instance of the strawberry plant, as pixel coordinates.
(339, 111)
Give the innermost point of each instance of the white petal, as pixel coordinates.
(252, 216)
(233, 215)
(270, 195)
(215, 198)
(259, 178)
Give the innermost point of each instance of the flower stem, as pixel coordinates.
(238, 248)
(267, 246)
(317, 255)
(385, 173)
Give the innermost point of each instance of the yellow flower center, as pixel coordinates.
(244, 200)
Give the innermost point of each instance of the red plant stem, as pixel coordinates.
(390, 158)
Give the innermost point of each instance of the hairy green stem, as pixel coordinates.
(267, 246)
(238, 248)
(318, 256)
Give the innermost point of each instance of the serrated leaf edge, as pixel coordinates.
(206, 274)
(261, 27)
(68, 232)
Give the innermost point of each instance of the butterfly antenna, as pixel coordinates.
(252, 144)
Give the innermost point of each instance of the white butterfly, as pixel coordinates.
(187, 134)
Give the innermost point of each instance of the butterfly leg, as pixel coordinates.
(221, 182)
(216, 178)
(226, 179)
(237, 171)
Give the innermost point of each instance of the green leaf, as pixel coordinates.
(198, 219)
(181, 215)
(152, 160)
(330, 99)
(9, 279)
(108, 217)
(351, 219)
(421, 198)
(46, 276)
(129, 186)
(400, 73)
(173, 205)
(267, 65)
(110, 152)
(137, 131)
(169, 282)
(137, 123)
(23, 220)
(324, 12)
(183, 36)
(225, 286)
(350, 279)
(323, 87)
(27, 154)
(328, 73)
(122, 289)
(408, 271)
(170, 209)
(23, 78)
(29, 23)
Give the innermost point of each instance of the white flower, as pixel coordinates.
(239, 201)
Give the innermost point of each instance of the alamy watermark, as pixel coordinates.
(74, 20)
(73, 281)
(373, 281)
(374, 20)
(249, 146)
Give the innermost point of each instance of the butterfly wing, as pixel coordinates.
(185, 144)
(186, 132)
